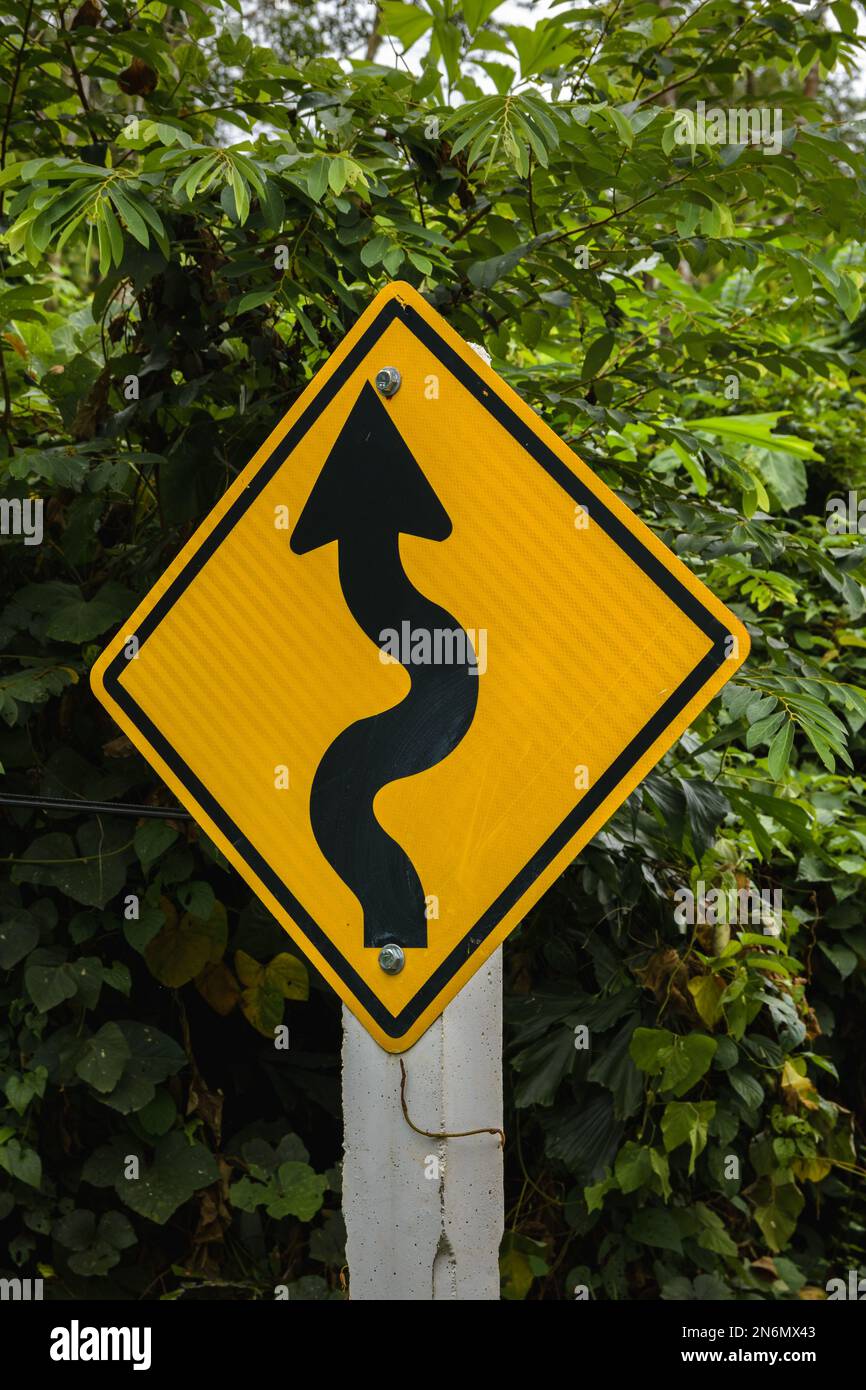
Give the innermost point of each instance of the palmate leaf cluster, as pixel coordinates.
(191, 219)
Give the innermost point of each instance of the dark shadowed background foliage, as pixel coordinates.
(196, 205)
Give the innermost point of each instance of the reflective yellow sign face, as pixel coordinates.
(411, 663)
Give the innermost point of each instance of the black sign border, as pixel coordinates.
(718, 635)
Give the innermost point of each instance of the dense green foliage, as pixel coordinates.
(190, 223)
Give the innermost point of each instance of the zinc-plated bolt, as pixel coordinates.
(392, 959)
(388, 381)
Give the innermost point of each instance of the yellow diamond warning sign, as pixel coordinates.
(411, 663)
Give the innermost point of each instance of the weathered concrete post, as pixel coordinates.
(424, 1216)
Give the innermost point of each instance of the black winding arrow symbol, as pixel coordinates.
(369, 492)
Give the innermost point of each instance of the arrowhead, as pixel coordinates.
(370, 485)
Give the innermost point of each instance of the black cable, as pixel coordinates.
(98, 808)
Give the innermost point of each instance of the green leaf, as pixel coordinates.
(621, 125)
(484, 274)
(764, 729)
(92, 872)
(687, 1122)
(373, 252)
(650, 1047)
(542, 1066)
(253, 300)
(21, 1162)
(338, 173)
(154, 1057)
(151, 841)
(19, 933)
(746, 1086)
(317, 178)
(691, 1058)
(597, 354)
(59, 612)
(780, 749)
(50, 985)
(475, 12)
(407, 23)
(240, 189)
(159, 1115)
(711, 1234)
(131, 216)
(177, 1170)
(777, 1215)
(199, 899)
(757, 430)
(658, 1228)
(636, 1166)
(21, 1090)
(295, 1190)
(103, 1058)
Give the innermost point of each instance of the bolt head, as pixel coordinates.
(388, 381)
(392, 959)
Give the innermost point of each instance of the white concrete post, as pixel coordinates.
(424, 1217)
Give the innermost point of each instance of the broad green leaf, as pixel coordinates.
(687, 1122)
(103, 1058)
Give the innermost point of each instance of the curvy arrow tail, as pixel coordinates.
(408, 738)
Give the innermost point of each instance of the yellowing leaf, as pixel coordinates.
(217, 985)
(289, 975)
(263, 1008)
(249, 970)
(812, 1169)
(707, 991)
(182, 948)
(797, 1088)
(285, 977)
